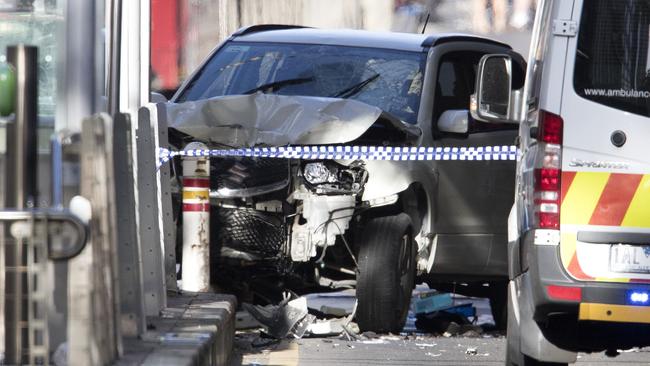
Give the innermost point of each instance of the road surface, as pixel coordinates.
(398, 351)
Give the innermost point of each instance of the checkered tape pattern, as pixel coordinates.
(387, 153)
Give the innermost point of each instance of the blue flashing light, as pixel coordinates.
(639, 297)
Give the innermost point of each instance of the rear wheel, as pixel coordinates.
(386, 274)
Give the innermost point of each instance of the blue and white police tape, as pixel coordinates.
(354, 153)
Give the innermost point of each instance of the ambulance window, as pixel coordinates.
(613, 63)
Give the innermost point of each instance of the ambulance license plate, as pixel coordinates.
(630, 258)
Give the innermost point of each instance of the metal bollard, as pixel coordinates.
(196, 222)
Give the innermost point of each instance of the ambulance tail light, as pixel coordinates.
(548, 172)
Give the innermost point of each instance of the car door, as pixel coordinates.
(473, 198)
(605, 212)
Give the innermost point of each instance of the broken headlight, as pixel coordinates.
(330, 177)
(318, 173)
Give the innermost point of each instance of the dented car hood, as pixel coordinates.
(277, 120)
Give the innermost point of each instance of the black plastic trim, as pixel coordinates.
(436, 40)
(614, 295)
(599, 237)
(264, 28)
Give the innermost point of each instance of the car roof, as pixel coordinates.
(351, 37)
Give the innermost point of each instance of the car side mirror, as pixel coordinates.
(495, 100)
(454, 121)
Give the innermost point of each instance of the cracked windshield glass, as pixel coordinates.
(388, 79)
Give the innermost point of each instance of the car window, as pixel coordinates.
(388, 79)
(612, 63)
(447, 79)
(455, 84)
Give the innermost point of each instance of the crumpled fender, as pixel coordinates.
(386, 178)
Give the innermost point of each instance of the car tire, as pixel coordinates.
(386, 274)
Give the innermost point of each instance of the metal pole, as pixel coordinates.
(115, 50)
(57, 170)
(76, 95)
(196, 222)
(20, 188)
(22, 137)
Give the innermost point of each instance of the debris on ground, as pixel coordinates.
(330, 315)
(280, 319)
(431, 301)
(331, 327)
(465, 310)
(631, 350)
(303, 326)
(471, 351)
(370, 335)
(450, 322)
(334, 311)
(244, 320)
(391, 338)
(426, 345)
(263, 342)
(291, 317)
(374, 341)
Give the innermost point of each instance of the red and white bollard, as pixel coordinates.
(196, 221)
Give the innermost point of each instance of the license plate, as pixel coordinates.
(630, 258)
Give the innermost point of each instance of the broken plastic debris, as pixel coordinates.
(332, 327)
(471, 351)
(280, 319)
(426, 344)
(430, 301)
(244, 320)
(374, 341)
(331, 310)
(631, 350)
(291, 317)
(391, 338)
(302, 326)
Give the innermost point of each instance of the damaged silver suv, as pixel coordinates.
(377, 226)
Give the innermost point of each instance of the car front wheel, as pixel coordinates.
(386, 274)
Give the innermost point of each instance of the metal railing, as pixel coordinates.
(32, 237)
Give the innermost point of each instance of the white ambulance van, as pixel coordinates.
(579, 231)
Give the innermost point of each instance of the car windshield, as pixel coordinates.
(388, 79)
(613, 56)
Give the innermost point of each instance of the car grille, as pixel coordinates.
(255, 232)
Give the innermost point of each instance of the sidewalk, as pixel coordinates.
(195, 329)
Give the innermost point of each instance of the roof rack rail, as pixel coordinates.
(265, 27)
(438, 39)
